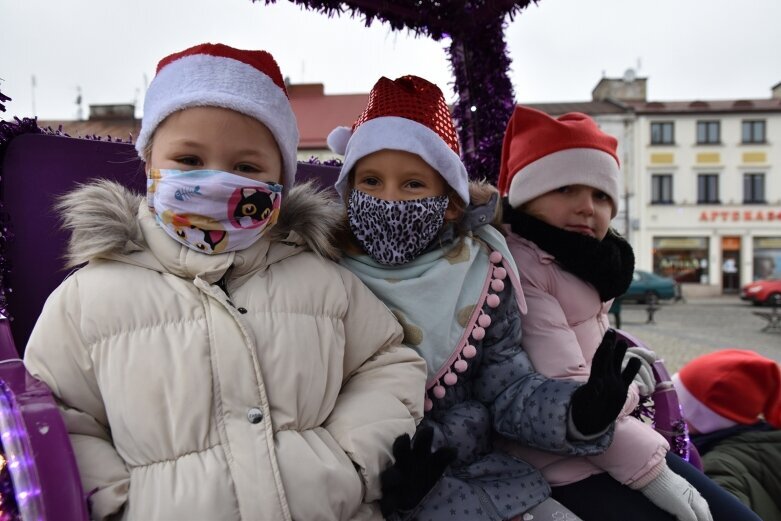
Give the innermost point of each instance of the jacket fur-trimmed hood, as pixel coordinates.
(102, 217)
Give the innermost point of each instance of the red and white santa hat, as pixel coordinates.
(408, 114)
(729, 387)
(216, 75)
(541, 153)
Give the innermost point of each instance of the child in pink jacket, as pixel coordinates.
(561, 177)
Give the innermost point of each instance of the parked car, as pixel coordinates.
(647, 287)
(767, 291)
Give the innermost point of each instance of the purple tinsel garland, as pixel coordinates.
(679, 435)
(3, 99)
(314, 160)
(486, 101)
(478, 58)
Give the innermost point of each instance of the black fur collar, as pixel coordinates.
(607, 264)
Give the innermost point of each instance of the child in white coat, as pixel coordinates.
(210, 361)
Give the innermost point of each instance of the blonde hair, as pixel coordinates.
(147, 153)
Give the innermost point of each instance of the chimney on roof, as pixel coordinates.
(306, 90)
(111, 112)
(628, 88)
(776, 91)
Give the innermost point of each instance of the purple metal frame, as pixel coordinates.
(667, 417)
(36, 444)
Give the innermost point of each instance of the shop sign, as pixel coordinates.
(681, 243)
(730, 244)
(740, 216)
(772, 243)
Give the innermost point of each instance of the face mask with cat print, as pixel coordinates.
(211, 211)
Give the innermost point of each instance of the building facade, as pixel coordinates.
(709, 191)
(702, 186)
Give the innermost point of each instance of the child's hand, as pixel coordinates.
(645, 379)
(415, 471)
(675, 495)
(596, 404)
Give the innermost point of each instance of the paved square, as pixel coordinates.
(685, 330)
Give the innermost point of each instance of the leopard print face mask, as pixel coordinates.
(395, 232)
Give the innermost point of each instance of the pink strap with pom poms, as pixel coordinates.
(474, 330)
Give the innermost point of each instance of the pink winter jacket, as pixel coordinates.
(564, 326)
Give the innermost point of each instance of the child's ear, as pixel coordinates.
(452, 212)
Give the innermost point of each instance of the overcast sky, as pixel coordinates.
(688, 49)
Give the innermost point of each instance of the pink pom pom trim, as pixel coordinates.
(478, 333)
(484, 320)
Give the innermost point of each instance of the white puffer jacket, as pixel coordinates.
(278, 400)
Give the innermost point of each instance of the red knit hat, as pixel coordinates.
(540, 154)
(216, 75)
(729, 387)
(408, 114)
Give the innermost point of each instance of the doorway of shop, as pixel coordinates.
(730, 264)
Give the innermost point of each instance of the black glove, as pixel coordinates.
(597, 403)
(415, 471)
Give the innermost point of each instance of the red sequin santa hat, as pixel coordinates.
(408, 114)
(216, 75)
(541, 153)
(729, 387)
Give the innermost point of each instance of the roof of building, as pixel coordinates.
(706, 106)
(592, 108)
(318, 115)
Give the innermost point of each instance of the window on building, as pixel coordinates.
(753, 188)
(661, 189)
(767, 257)
(754, 131)
(707, 188)
(683, 258)
(708, 132)
(662, 133)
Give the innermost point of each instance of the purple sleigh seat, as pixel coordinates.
(36, 169)
(39, 479)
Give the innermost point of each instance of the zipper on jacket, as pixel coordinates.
(488, 505)
(223, 285)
